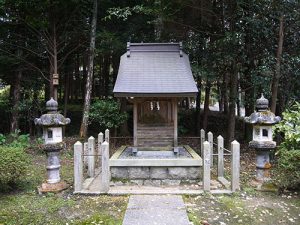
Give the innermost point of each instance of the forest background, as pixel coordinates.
(238, 50)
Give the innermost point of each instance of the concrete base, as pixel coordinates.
(156, 173)
(263, 186)
(91, 186)
(57, 187)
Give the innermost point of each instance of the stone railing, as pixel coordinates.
(207, 154)
(96, 159)
(92, 169)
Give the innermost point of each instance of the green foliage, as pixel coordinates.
(4, 109)
(290, 127)
(17, 140)
(2, 139)
(288, 168)
(13, 165)
(22, 141)
(107, 113)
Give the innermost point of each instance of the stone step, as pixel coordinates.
(155, 128)
(154, 138)
(155, 144)
(150, 135)
(155, 131)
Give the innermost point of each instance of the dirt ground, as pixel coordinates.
(247, 208)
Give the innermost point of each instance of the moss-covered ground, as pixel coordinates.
(244, 208)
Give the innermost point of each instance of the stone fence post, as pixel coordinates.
(206, 166)
(105, 174)
(100, 141)
(78, 167)
(91, 157)
(85, 152)
(220, 156)
(210, 138)
(202, 139)
(107, 135)
(235, 166)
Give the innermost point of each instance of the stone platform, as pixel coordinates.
(91, 186)
(156, 173)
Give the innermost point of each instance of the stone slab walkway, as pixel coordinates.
(156, 210)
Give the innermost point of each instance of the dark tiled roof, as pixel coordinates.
(155, 69)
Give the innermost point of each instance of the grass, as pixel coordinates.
(24, 206)
(30, 208)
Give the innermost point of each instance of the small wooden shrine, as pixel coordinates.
(154, 77)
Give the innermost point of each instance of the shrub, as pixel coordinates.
(107, 113)
(15, 139)
(2, 139)
(13, 165)
(288, 168)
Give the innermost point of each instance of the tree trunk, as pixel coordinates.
(35, 114)
(232, 103)
(225, 93)
(77, 78)
(66, 92)
(283, 95)
(89, 81)
(115, 66)
(198, 107)
(187, 103)
(124, 127)
(85, 74)
(238, 99)
(247, 82)
(277, 74)
(106, 64)
(52, 46)
(220, 97)
(158, 26)
(206, 105)
(16, 92)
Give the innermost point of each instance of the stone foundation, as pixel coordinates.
(156, 173)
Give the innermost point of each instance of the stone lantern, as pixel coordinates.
(52, 123)
(262, 120)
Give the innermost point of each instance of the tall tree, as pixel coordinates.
(276, 76)
(89, 80)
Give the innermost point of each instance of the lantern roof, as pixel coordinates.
(52, 118)
(263, 115)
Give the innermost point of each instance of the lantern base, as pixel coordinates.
(264, 186)
(57, 187)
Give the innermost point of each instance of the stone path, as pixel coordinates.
(156, 210)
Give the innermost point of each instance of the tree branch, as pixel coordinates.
(25, 61)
